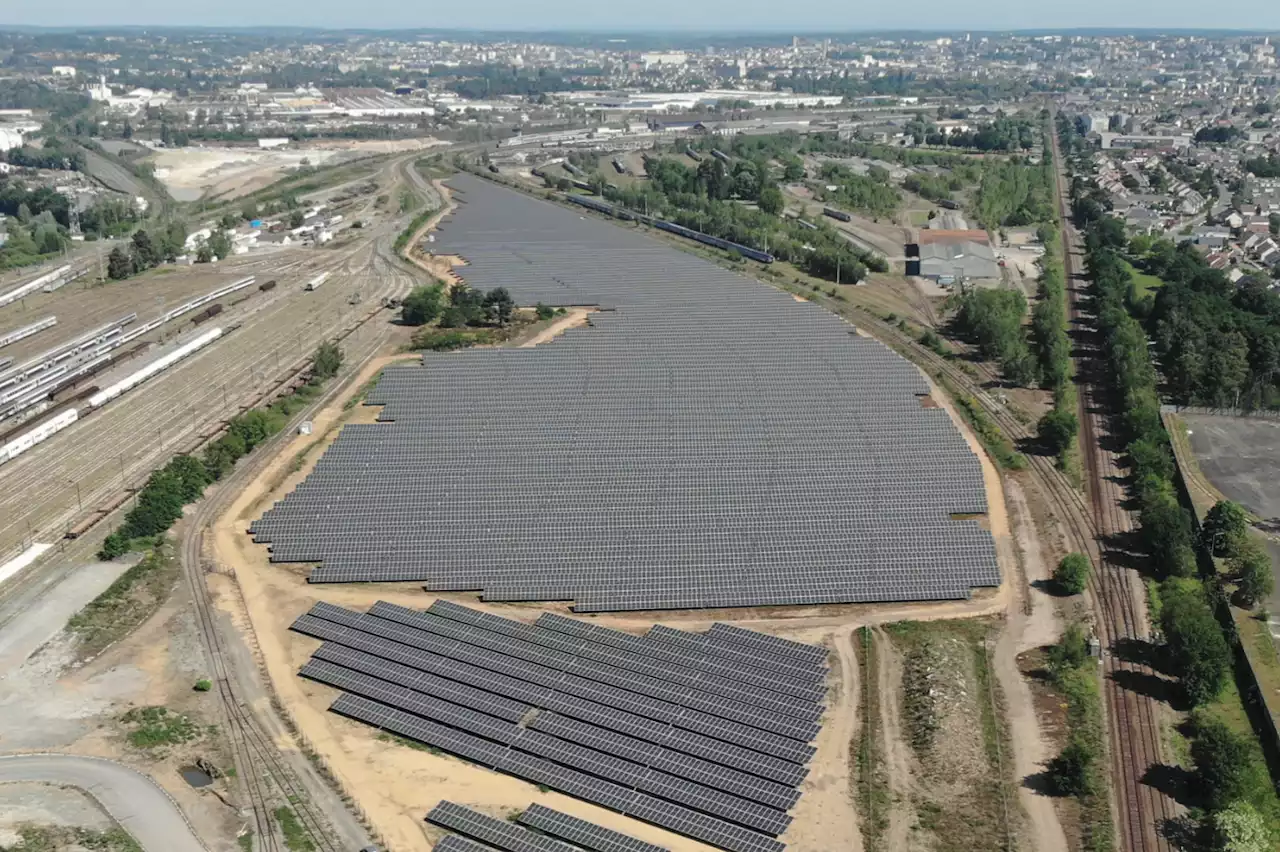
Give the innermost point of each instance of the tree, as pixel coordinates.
(499, 306)
(1057, 429)
(219, 244)
(119, 264)
(422, 305)
(327, 361)
(1223, 760)
(204, 254)
(1072, 573)
(296, 218)
(1273, 223)
(1195, 641)
(1240, 828)
(771, 200)
(1225, 528)
(1251, 566)
(145, 253)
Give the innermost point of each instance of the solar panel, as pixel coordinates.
(498, 833)
(585, 834)
(704, 442)
(458, 843)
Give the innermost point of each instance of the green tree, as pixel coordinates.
(1225, 528)
(296, 218)
(1251, 566)
(771, 200)
(499, 306)
(327, 361)
(1072, 573)
(1222, 760)
(204, 254)
(145, 253)
(422, 305)
(1273, 224)
(1240, 828)
(1057, 429)
(220, 244)
(1195, 642)
(119, 264)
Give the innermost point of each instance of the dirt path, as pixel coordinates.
(441, 268)
(899, 763)
(825, 817)
(1030, 752)
(572, 319)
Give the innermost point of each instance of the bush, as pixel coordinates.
(326, 362)
(1057, 429)
(1072, 573)
(1071, 772)
(1071, 652)
(1251, 567)
(203, 685)
(1196, 645)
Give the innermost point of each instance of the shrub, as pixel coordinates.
(203, 685)
(1072, 573)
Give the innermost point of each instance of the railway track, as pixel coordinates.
(1133, 718)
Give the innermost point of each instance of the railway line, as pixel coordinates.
(82, 466)
(1133, 718)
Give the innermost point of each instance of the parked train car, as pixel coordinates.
(836, 214)
(721, 155)
(693, 155)
(267, 285)
(717, 242)
(619, 167)
(207, 314)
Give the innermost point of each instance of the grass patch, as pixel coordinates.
(1082, 695)
(49, 838)
(126, 603)
(872, 777)
(946, 680)
(245, 841)
(1141, 284)
(295, 836)
(154, 727)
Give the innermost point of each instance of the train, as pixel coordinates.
(707, 239)
(836, 214)
(619, 167)
(721, 155)
(582, 184)
(620, 212)
(314, 283)
(157, 366)
(207, 314)
(693, 155)
(807, 225)
(267, 285)
(24, 290)
(571, 168)
(27, 330)
(38, 435)
(948, 204)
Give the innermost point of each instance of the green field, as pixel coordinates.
(1143, 284)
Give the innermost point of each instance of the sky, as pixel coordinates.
(651, 15)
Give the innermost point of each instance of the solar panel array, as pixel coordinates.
(643, 725)
(547, 825)
(706, 441)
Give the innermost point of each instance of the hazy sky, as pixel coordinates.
(736, 15)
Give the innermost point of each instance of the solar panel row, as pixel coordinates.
(680, 819)
(582, 833)
(705, 442)
(460, 692)
(498, 833)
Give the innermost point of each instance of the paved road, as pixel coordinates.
(132, 799)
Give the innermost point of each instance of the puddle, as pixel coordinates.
(195, 776)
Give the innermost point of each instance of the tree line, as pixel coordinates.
(159, 503)
(145, 252)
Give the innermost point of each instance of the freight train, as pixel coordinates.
(836, 214)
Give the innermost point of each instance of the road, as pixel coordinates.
(131, 798)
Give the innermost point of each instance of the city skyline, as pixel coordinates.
(659, 16)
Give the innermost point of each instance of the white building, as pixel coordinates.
(64, 71)
(9, 139)
(651, 60)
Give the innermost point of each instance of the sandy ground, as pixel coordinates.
(573, 318)
(226, 172)
(1030, 750)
